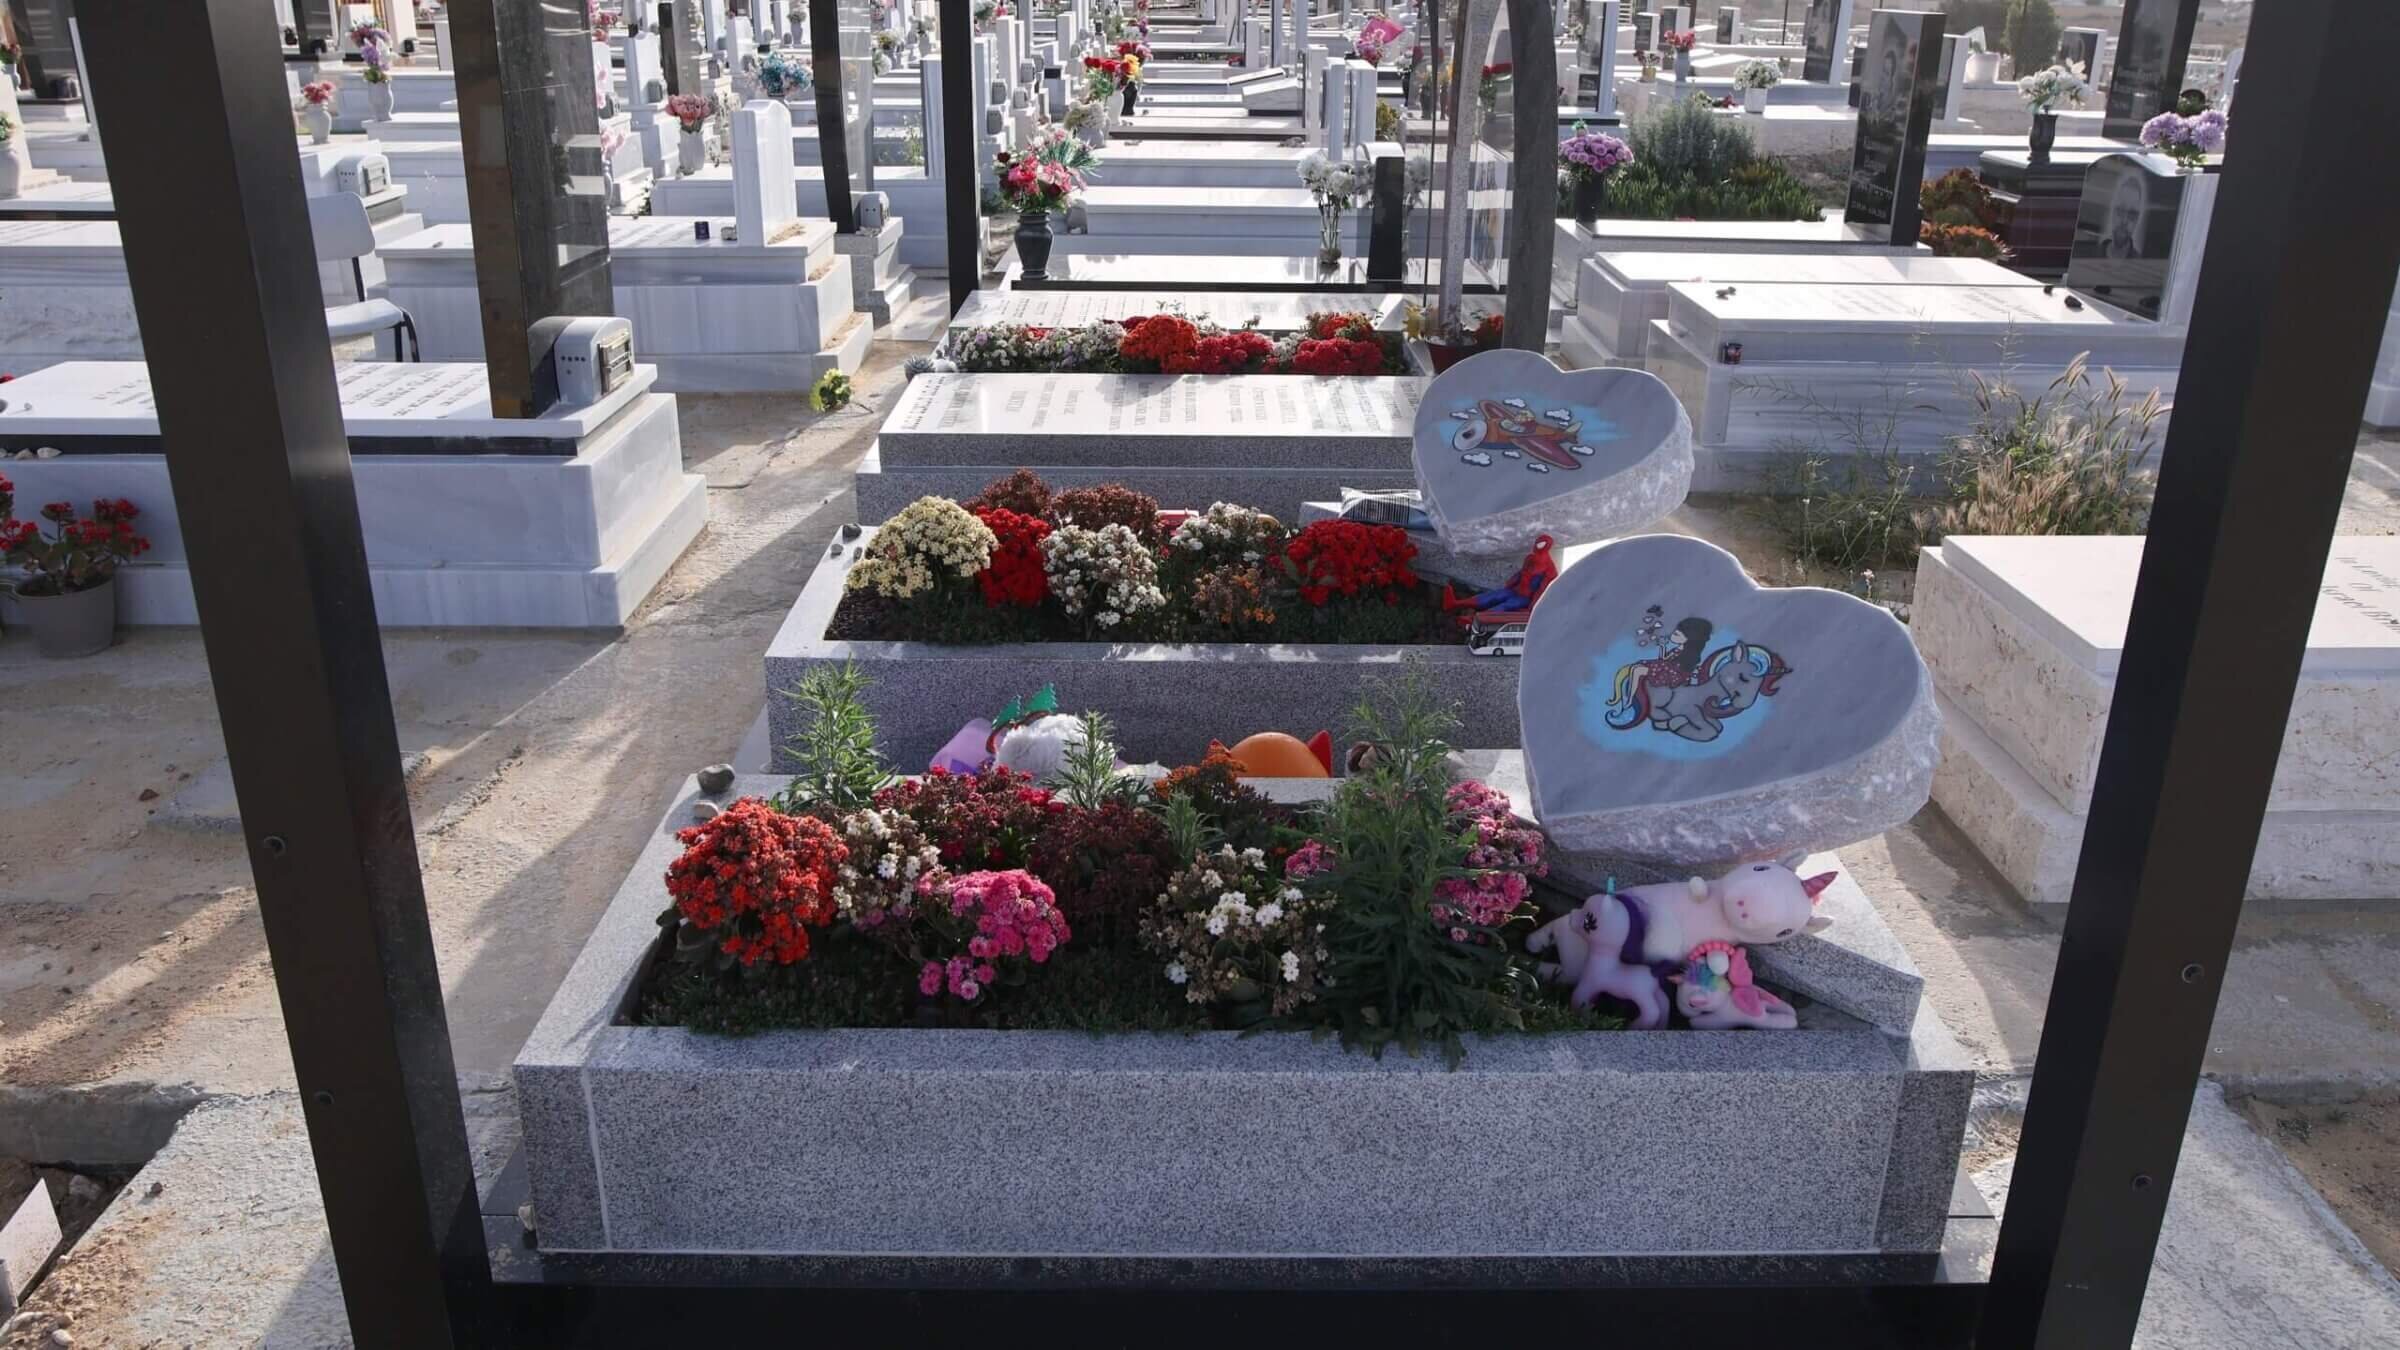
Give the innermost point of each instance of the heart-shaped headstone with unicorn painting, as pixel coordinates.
(1508, 446)
(1678, 716)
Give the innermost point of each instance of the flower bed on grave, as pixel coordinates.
(1164, 622)
(1170, 344)
(1095, 900)
(1019, 563)
(1686, 163)
(938, 973)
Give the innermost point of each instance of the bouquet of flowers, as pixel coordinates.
(79, 553)
(374, 52)
(692, 110)
(1680, 41)
(604, 22)
(1487, 86)
(782, 75)
(1592, 155)
(1111, 73)
(2190, 140)
(1371, 41)
(1030, 182)
(317, 92)
(984, 12)
(1135, 48)
(1230, 931)
(1757, 75)
(2044, 90)
(1335, 182)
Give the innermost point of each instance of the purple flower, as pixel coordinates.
(2208, 131)
(1594, 152)
(2162, 131)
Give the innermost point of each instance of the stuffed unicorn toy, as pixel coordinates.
(1632, 943)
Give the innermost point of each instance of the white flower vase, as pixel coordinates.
(379, 100)
(691, 153)
(1754, 101)
(1329, 235)
(317, 120)
(12, 172)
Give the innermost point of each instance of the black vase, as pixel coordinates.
(2045, 134)
(1132, 92)
(1591, 197)
(1033, 244)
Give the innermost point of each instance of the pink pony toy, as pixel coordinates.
(1631, 943)
(1716, 991)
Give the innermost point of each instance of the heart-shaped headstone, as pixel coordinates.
(1676, 715)
(1508, 446)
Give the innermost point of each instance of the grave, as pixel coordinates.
(1572, 241)
(1213, 221)
(1691, 720)
(566, 520)
(1895, 114)
(1619, 295)
(1873, 1094)
(2140, 227)
(2024, 637)
(1268, 311)
(1266, 441)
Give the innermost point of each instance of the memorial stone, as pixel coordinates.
(1673, 19)
(929, 81)
(1245, 421)
(1895, 116)
(2080, 48)
(1645, 34)
(1950, 89)
(1729, 20)
(2152, 44)
(1312, 91)
(2140, 226)
(764, 201)
(1827, 41)
(1508, 447)
(1678, 718)
(1600, 47)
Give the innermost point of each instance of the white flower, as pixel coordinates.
(1211, 880)
(1234, 899)
(1292, 896)
(1268, 913)
(1216, 924)
(1256, 857)
(1176, 974)
(886, 867)
(1291, 967)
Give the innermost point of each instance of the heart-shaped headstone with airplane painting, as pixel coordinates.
(1508, 446)
(1676, 715)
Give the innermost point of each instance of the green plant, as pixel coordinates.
(1958, 197)
(839, 769)
(1686, 139)
(2071, 460)
(1087, 775)
(830, 393)
(1850, 501)
(2026, 29)
(1387, 122)
(1395, 977)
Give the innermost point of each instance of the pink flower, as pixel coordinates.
(929, 981)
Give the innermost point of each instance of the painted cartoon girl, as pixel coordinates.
(1676, 665)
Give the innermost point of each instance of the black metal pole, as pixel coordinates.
(833, 133)
(962, 197)
(2284, 334)
(216, 239)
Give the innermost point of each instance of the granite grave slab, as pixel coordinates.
(1509, 447)
(1678, 714)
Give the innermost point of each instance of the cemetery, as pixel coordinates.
(1301, 656)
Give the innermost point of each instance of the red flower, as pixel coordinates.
(1014, 576)
(757, 880)
(1350, 558)
(1158, 339)
(1222, 354)
(1338, 356)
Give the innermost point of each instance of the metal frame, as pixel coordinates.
(217, 247)
(962, 174)
(2303, 252)
(833, 135)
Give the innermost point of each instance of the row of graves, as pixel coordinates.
(533, 482)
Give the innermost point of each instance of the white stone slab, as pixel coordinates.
(112, 398)
(26, 1241)
(1617, 294)
(2078, 592)
(1272, 312)
(1073, 419)
(763, 201)
(1817, 321)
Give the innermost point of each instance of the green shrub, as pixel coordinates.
(1686, 139)
(1761, 190)
(2025, 29)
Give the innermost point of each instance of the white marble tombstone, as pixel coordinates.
(91, 110)
(1254, 44)
(1673, 19)
(638, 60)
(712, 15)
(764, 202)
(929, 82)
(741, 45)
(1600, 39)
(1006, 55)
(1333, 102)
(1278, 47)
(1312, 90)
(2233, 77)
(1952, 104)
(1363, 100)
(1729, 23)
(2191, 241)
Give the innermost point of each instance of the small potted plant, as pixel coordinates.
(2189, 141)
(1754, 79)
(2043, 91)
(693, 112)
(1033, 184)
(66, 583)
(1680, 43)
(316, 110)
(782, 75)
(1590, 158)
(1334, 183)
